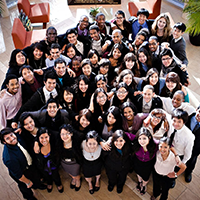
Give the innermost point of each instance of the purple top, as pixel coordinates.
(84, 32)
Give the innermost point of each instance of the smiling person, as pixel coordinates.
(94, 57)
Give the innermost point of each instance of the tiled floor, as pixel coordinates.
(64, 17)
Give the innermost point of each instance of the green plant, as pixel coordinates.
(94, 11)
(192, 9)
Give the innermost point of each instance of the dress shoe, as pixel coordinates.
(119, 190)
(188, 178)
(49, 189)
(173, 184)
(91, 191)
(96, 188)
(110, 188)
(78, 188)
(60, 190)
(42, 187)
(72, 186)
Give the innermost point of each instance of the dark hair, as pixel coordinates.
(180, 25)
(86, 61)
(85, 112)
(166, 52)
(9, 77)
(68, 89)
(146, 53)
(180, 114)
(165, 140)
(94, 27)
(67, 127)
(153, 37)
(99, 14)
(84, 78)
(55, 46)
(51, 28)
(71, 31)
(100, 77)
(117, 46)
(143, 11)
(41, 131)
(180, 92)
(59, 61)
(130, 105)
(25, 67)
(24, 116)
(120, 12)
(4, 132)
(144, 32)
(13, 62)
(122, 84)
(92, 135)
(52, 100)
(92, 52)
(103, 62)
(77, 58)
(38, 46)
(50, 75)
(69, 45)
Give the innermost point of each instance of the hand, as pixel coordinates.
(171, 175)
(2, 92)
(130, 47)
(104, 47)
(147, 121)
(14, 125)
(29, 185)
(100, 119)
(188, 83)
(110, 94)
(183, 67)
(71, 72)
(36, 148)
(39, 71)
(19, 130)
(76, 117)
(137, 92)
(105, 146)
(178, 160)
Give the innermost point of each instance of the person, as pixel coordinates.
(161, 28)
(164, 170)
(69, 153)
(19, 163)
(101, 82)
(46, 160)
(70, 51)
(11, 101)
(92, 162)
(118, 161)
(76, 65)
(94, 57)
(144, 150)
(83, 26)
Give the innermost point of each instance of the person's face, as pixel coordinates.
(111, 119)
(10, 139)
(163, 148)
(166, 60)
(104, 69)
(52, 109)
(156, 119)
(20, 58)
(87, 69)
(66, 136)
(13, 86)
(153, 79)
(101, 98)
(68, 96)
(37, 54)
(71, 52)
(161, 23)
(177, 33)
(147, 95)
(82, 86)
(94, 59)
(143, 140)
(60, 69)
(29, 124)
(55, 53)
(119, 19)
(129, 64)
(122, 93)
(119, 143)
(117, 37)
(84, 122)
(153, 45)
(101, 84)
(116, 54)
(83, 23)
(170, 85)
(94, 34)
(142, 57)
(101, 21)
(141, 18)
(76, 65)
(28, 75)
(50, 84)
(72, 38)
(51, 35)
(139, 40)
(177, 100)
(44, 139)
(177, 123)
(127, 79)
(128, 113)
(198, 115)
(92, 144)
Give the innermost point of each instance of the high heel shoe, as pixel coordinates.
(78, 188)
(143, 190)
(49, 189)
(60, 190)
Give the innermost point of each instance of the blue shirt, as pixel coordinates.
(193, 123)
(136, 28)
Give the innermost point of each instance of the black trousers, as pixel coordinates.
(191, 163)
(53, 177)
(161, 185)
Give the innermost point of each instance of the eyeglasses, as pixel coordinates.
(152, 44)
(163, 59)
(85, 21)
(101, 97)
(119, 17)
(156, 117)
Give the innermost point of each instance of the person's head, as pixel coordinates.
(197, 116)
(92, 139)
(52, 107)
(100, 81)
(104, 65)
(86, 67)
(60, 67)
(164, 145)
(130, 60)
(142, 15)
(157, 116)
(70, 51)
(153, 43)
(152, 76)
(117, 51)
(100, 19)
(55, 51)
(50, 81)
(83, 22)
(27, 122)
(43, 136)
(100, 96)
(84, 118)
(113, 116)
(148, 93)
(26, 71)
(178, 98)
(76, 63)
(178, 30)
(68, 94)
(17, 58)
(121, 91)
(179, 118)
(141, 36)
(51, 34)
(12, 84)
(72, 36)
(94, 32)
(129, 110)
(126, 76)
(118, 139)
(38, 51)
(172, 81)
(143, 55)
(93, 55)
(66, 133)
(144, 137)
(117, 36)
(166, 57)
(83, 83)
(8, 136)
(119, 17)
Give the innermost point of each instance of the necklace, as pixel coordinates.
(92, 154)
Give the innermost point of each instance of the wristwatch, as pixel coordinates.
(175, 175)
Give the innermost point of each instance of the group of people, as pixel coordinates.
(109, 95)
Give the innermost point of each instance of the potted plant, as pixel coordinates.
(93, 12)
(192, 9)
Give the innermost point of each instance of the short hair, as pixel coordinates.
(86, 61)
(50, 75)
(53, 100)
(131, 105)
(67, 127)
(180, 114)
(25, 67)
(150, 87)
(117, 31)
(4, 132)
(39, 46)
(180, 25)
(77, 58)
(55, 46)
(100, 77)
(59, 61)
(99, 14)
(10, 77)
(71, 31)
(180, 92)
(94, 27)
(51, 28)
(120, 12)
(143, 11)
(166, 52)
(24, 116)
(153, 37)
